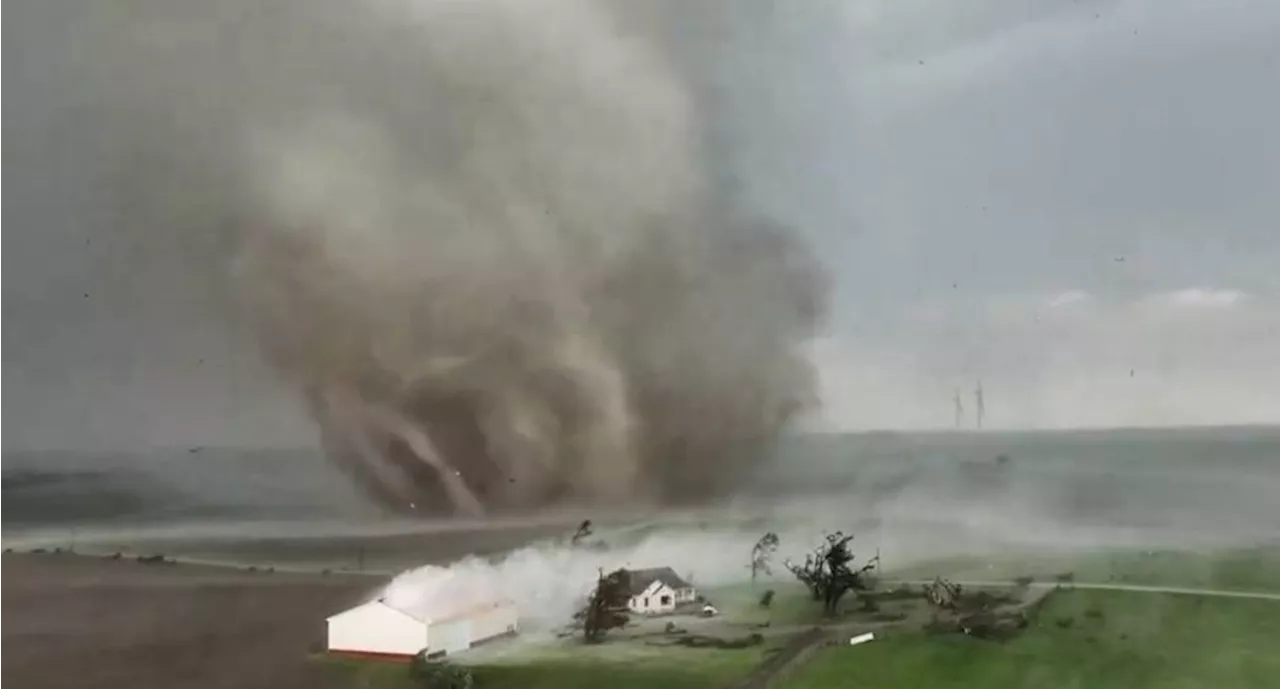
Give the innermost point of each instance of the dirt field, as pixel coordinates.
(76, 621)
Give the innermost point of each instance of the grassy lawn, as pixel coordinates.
(672, 669)
(791, 603)
(1080, 640)
(1252, 569)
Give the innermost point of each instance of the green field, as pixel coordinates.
(672, 669)
(1080, 639)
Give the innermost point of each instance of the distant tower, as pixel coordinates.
(959, 410)
(980, 409)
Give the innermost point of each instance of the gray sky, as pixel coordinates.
(1075, 202)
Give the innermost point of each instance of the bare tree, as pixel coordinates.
(761, 553)
(829, 574)
(607, 607)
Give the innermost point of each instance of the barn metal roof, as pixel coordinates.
(433, 616)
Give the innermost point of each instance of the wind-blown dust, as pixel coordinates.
(478, 237)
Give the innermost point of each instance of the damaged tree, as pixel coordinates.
(829, 574)
(584, 531)
(762, 553)
(607, 607)
(942, 594)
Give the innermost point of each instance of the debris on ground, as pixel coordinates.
(990, 615)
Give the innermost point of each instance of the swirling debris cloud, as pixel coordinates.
(482, 239)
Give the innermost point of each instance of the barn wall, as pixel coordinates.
(450, 636)
(494, 622)
(377, 629)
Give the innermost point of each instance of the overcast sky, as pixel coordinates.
(1077, 203)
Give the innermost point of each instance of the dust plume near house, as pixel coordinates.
(481, 239)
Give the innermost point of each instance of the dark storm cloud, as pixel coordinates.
(943, 159)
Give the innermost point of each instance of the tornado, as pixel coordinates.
(480, 239)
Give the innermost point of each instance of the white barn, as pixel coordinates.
(659, 591)
(378, 630)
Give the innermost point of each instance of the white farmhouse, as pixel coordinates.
(658, 591)
(378, 630)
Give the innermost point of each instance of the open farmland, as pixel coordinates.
(1081, 638)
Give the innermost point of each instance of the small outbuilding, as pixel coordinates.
(659, 591)
(379, 630)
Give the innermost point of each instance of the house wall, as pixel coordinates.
(374, 628)
(650, 601)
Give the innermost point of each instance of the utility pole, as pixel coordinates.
(959, 405)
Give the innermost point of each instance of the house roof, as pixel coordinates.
(641, 579)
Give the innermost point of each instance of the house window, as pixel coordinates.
(665, 600)
(646, 601)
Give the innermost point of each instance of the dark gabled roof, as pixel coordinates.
(642, 578)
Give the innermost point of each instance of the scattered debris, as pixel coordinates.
(861, 638)
(761, 554)
(902, 592)
(942, 594)
(766, 600)
(437, 674)
(584, 530)
(701, 641)
(992, 625)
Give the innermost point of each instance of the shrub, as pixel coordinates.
(434, 674)
(767, 599)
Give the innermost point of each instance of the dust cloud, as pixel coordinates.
(478, 238)
(1144, 504)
